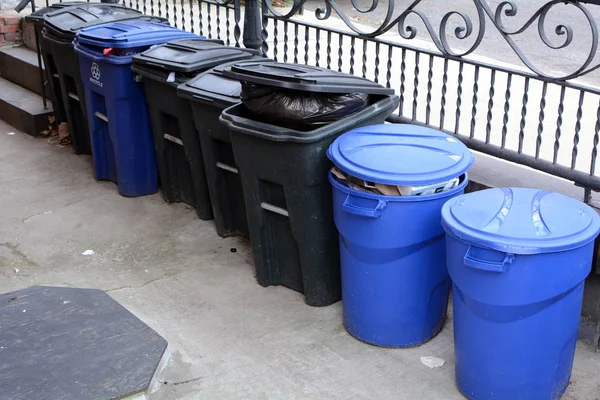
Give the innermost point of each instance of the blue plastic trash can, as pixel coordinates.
(518, 259)
(395, 284)
(118, 117)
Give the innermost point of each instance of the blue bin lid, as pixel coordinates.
(520, 221)
(400, 154)
(130, 34)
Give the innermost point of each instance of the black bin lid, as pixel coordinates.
(190, 55)
(65, 23)
(303, 77)
(39, 14)
(213, 87)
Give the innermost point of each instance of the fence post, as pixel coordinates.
(252, 25)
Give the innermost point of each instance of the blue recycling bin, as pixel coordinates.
(395, 284)
(118, 117)
(518, 259)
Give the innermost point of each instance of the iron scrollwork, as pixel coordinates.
(467, 28)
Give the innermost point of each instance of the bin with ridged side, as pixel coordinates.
(178, 149)
(395, 284)
(283, 170)
(518, 259)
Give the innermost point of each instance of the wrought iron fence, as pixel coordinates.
(546, 120)
(536, 115)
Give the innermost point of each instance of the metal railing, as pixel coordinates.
(544, 115)
(546, 120)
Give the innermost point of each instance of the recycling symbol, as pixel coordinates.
(95, 71)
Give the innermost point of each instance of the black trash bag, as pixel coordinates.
(290, 107)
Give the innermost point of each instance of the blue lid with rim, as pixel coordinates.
(400, 154)
(130, 34)
(520, 221)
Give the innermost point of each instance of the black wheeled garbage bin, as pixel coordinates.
(51, 77)
(210, 93)
(178, 148)
(284, 173)
(37, 17)
(60, 28)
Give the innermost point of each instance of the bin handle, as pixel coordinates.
(208, 99)
(364, 211)
(150, 63)
(486, 265)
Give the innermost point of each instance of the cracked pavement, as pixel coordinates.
(229, 338)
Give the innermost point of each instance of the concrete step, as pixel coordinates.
(20, 65)
(23, 109)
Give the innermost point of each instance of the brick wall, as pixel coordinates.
(10, 33)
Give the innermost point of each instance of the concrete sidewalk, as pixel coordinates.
(229, 338)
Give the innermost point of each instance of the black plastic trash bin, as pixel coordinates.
(60, 28)
(210, 93)
(37, 17)
(178, 149)
(284, 174)
(51, 77)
